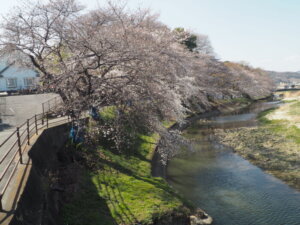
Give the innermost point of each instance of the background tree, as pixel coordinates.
(194, 42)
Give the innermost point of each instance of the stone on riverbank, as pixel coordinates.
(200, 218)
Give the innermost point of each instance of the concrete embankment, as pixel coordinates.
(40, 200)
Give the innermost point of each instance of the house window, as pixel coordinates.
(11, 82)
(29, 81)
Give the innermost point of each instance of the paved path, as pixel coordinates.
(15, 110)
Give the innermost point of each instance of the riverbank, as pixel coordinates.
(121, 190)
(224, 184)
(274, 143)
(118, 188)
(222, 107)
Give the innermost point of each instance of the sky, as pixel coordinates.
(263, 33)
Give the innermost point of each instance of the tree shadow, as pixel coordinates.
(129, 151)
(5, 126)
(115, 199)
(16, 195)
(157, 183)
(87, 207)
(59, 190)
(110, 185)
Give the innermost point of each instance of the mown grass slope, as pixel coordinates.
(122, 190)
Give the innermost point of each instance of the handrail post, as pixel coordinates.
(36, 128)
(1, 206)
(43, 114)
(47, 120)
(28, 134)
(19, 145)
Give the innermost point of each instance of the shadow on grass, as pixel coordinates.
(121, 188)
(158, 183)
(110, 183)
(87, 207)
(116, 200)
(129, 172)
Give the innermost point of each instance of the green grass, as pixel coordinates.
(241, 100)
(168, 124)
(281, 126)
(262, 116)
(289, 101)
(108, 113)
(290, 132)
(295, 109)
(87, 207)
(123, 190)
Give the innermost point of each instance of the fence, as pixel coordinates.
(52, 104)
(13, 147)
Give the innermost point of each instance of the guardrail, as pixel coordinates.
(13, 147)
(288, 89)
(52, 104)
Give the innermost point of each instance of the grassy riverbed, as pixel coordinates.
(122, 190)
(273, 145)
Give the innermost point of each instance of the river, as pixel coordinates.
(227, 187)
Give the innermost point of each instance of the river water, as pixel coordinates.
(227, 187)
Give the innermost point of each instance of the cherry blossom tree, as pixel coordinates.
(108, 57)
(124, 61)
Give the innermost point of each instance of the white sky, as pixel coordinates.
(264, 33)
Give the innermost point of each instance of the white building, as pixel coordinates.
(13, 78)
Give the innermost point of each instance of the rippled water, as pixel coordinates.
(229, 188)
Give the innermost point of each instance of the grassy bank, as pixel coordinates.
(122, 190)
(273, 145)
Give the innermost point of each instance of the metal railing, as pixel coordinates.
(13, 147)
(52, 104)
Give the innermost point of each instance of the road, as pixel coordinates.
(15, 110)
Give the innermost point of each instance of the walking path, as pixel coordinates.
(15, 110)
(15, 144)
